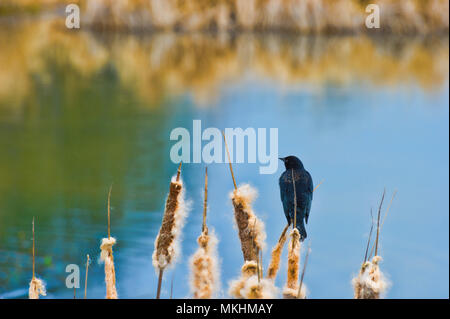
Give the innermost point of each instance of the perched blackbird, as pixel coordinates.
(303, 191)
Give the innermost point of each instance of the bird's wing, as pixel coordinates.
(308, 208)
(286, 193)
(310, 191)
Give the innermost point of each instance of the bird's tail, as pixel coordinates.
(302, 230)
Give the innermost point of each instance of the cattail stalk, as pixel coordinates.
(204, 263)
(37, 286)
(167, 241)
(86, 278)
(301, 294)
(290, 290)
(107, 257)
(370, 283)
(251, 229)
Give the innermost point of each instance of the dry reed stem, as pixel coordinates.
(370, 236)
(229, 160)
(317, 186)
(86, 278)
(205, 202)
(109, 211)
(295, 199)
(387, 210)
(301, 294)
(378, 222)
(291, 287)
(107, 257)
(204, 263)
(276, 255)
(167, 242)
(33, 252)
(251, 230)
(37, 286)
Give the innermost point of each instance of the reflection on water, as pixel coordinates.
(80, 111)
(161, 65)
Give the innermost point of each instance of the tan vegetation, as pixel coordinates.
(307, 16)
(204, 263)
(152, 67)
(107, 257)
(168, 240)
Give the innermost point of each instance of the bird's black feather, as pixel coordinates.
(303, 193)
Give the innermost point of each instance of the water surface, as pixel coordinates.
(81, 111)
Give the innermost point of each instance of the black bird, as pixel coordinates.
(303, 190)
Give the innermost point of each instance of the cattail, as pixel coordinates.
(37, 286)
(259, 289)
(107, 257)
(291, 287)
(358, 282)
(370, 283)
(204, 263)
(86, 277)
(167, 241)
(251, 230)
(204, 272)
(249, 286)
(276, 255)
(301, 294)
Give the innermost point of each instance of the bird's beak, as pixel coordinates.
(281, 159)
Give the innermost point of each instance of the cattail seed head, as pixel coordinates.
(370, 283)
(249, 286)
(204, 267)
(251, 229)
(167, 241)
(37, 287)
(106, 256)
(276, 256)
(291, 287)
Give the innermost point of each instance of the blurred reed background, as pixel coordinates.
(81, 109)
(294, 15)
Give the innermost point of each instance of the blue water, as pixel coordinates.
(75, 135)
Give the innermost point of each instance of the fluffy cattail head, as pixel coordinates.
(249, 286)
(255, 288)
(251, 229)
(106, 256)
(370, 283)
(291, 287)
(106, 248)
(167, 241)
(293, 259)
(276, 256)
(37, 287)
(204, 267)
